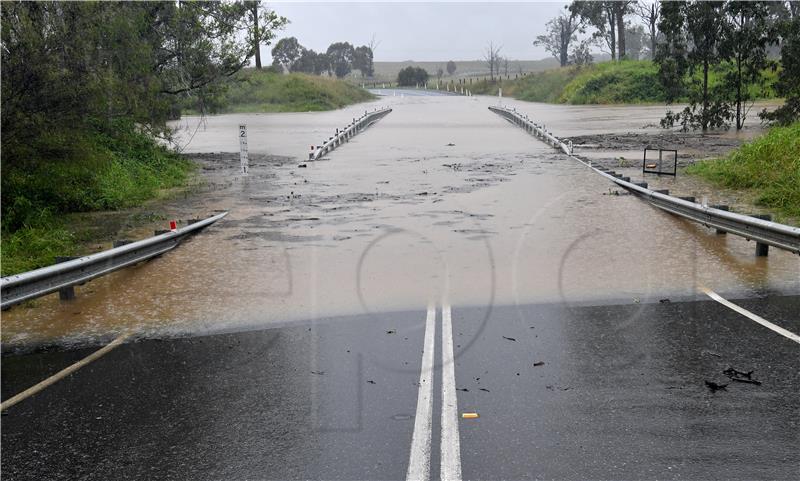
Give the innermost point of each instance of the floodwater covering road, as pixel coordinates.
(439, 196)
(345, 316)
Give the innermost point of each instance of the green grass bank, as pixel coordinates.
(626, 82)
(252, 91)
(68, 171)
(769, 166)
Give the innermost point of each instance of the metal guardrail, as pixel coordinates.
(764, 232)
(348, 132)
(39, 282)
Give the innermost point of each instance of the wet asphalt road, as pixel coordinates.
(621, 395)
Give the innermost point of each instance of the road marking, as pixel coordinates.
(450, 442)
(419, 463)
(64, 372)
(783, 332)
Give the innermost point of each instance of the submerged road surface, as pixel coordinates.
(441, 298)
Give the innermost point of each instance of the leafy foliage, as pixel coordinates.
(340, 55)
(788, 85)
(86, 88)
(287, 52)
(451, 67)
(769, 165)
(411, 76)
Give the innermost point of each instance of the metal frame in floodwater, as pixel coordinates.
(39, 282)
(764, 232)
(660, 171)
(347, 132)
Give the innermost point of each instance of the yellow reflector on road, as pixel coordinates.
(470, 415)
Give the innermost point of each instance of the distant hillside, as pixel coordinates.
(266, 91)
(387, 71)
(630, 81)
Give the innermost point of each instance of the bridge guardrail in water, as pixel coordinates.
(28, 285)
(347, 133)
(764, 232)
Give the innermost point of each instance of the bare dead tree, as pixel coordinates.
(649, 12)
(373, 45)
(492, 58)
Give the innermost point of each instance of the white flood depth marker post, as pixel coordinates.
(243, 160)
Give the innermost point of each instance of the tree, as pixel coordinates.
(362, 61)
(263, 25)
(746, 41)
(602, 17)
(649, 13)
(608, 18)
(286, 52)
(130, 59)
(581, 54)
(439, 73)
(561, 32)
(694, 34)
(412, 76)
(705, 25)
(451, 67)
(788, 84)
(340, 55)
(634, 41)
(311, 62)
(492, 58)
(79, 78)
(621, 8)
(670, 55)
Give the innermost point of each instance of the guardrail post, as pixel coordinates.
(762, 250)
(66, 293)
(726, 209)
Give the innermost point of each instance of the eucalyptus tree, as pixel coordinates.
(745, 41)
(340, 58)
(561, 32)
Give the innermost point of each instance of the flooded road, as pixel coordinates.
(440, 199)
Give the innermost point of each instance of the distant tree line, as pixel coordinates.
(691, 42)
(340, 59)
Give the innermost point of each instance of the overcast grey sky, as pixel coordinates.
(421, 30)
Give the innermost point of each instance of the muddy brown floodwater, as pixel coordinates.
(441, 198)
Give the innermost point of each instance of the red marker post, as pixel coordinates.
(173, 226)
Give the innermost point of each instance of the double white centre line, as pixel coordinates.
(419, 465)
(451, 443)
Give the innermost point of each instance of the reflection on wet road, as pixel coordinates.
(597, 392)
(439, 193)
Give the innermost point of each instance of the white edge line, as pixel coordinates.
(783, 332)
(419, 463)
(450, 441)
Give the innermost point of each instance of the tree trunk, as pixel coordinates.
(256, 40)
(612, 33)
(563, 53)
(620, 30)
(653, 31)
(739, 120)
(704, 115)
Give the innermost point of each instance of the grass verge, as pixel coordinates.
(76, 171)
(626, 82)
(769, 166)
(253, 91)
